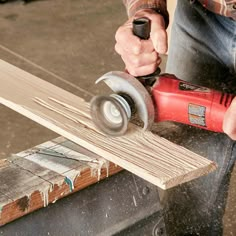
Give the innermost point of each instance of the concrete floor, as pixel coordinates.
(73, 39)
(71, 42)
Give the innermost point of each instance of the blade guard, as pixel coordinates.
(120, 81)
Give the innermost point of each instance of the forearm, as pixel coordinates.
(132, 6)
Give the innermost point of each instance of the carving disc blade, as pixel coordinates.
(109, 115)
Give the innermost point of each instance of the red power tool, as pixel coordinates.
(156, 98)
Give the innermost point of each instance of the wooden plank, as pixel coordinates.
(31, 180)
(143, 153)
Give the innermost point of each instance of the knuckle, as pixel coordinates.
(120, 35)
(155, 57)
(136, 61)
(117, 34)
(123, 57)
(151, 68)
(132, 71)
(136, 49)
(117, 48)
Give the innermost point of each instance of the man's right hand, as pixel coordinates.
(141, 57)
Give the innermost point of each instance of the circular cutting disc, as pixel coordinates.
(121, 82)
(109, 115)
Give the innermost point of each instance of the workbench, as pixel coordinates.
(123, 204)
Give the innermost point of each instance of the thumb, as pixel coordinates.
(158, 34)
(229, 123)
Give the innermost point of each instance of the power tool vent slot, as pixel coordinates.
(226, 99)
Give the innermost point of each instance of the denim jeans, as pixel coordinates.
(202, 51)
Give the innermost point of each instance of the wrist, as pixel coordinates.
(158, 7)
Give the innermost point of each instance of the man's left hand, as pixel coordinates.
(229, 123)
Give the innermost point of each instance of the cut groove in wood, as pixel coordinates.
(147, 155)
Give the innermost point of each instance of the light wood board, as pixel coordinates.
(41, 175)
(147, 155)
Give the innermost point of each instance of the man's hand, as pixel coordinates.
(141, 57)
(229, 124)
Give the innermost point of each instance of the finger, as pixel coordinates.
(131, 43)
(144, 70)
(229, 123)
(140, 60)
(146, 46)
(158, 34)
(159, 39)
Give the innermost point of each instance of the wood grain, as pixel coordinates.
(143, 153)
(31, 180)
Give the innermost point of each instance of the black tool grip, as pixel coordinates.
(142, 28)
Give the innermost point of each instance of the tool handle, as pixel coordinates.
(142, 28)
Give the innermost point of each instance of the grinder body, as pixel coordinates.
(180, 101)
(156, 98)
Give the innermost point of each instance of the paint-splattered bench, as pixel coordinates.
(41, 175)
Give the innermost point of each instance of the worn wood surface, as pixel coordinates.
(36, 177)
(143, 153)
